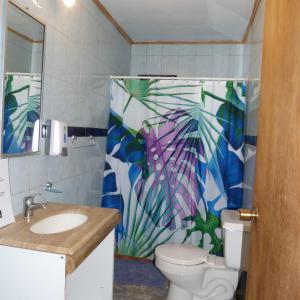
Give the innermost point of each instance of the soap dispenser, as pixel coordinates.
(56, 138)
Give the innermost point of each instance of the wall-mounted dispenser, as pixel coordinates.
(56, 138)
(49, 188)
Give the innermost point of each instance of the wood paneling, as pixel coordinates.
(166, 42)
(186, 42)
(275, 244)
(24, 37)
(251, 20)
(113, 21)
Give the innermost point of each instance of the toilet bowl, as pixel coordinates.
(196, 275)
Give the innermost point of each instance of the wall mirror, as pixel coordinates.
(24, 52)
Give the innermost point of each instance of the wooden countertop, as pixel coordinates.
(76, 244)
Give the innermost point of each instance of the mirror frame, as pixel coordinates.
(3, 155)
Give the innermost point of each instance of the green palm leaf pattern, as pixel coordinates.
(21, 111)
(156, 98)
(143, 89)
(142, 234)
(176, 164)
(206, 226)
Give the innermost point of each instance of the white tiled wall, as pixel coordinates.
(18, 54)
(37, 58)
(22, 56)
(253, 47)
(82, 50)
(188, 60)
(3, 4)
(252, 70)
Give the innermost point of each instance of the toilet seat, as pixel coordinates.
(181, 254)
(194, 274)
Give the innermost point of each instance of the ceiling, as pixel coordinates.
(182, 20)
(23, 24)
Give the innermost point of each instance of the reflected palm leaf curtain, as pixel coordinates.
(174, 161)
(22, 107)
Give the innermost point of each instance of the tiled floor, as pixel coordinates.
(138, 279)
(134, 292)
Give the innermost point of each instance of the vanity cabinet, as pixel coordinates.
(37, 275)
(6, 212)
(75, 264)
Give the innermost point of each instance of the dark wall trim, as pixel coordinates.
(86, 131)
(250, 140)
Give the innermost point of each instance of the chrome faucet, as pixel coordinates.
(30, 205)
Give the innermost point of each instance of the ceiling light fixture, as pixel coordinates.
(69, 3)
(37, 3)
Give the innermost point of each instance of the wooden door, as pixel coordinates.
(275, 239)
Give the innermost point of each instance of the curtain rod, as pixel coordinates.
(180, 78)
(22, 74)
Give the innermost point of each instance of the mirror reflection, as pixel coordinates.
(23, 83)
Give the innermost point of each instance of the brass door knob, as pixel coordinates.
(248, 214)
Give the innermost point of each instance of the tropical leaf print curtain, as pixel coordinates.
(22, 106)
(174, 161)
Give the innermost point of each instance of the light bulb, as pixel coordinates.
(37, 3)
(69, 3)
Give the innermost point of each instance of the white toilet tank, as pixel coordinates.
(236, 238)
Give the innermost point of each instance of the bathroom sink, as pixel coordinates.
(59, 223)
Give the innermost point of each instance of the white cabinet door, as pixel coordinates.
(93, 279)
(31, 275)
(35, 275)
(6, 212)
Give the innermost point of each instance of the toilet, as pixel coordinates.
(194, 274)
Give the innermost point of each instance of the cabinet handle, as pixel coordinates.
(1, 179)
(2, 194)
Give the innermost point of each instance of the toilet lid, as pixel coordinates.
(181, 254)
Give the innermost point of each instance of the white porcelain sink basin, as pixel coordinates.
(59, 223)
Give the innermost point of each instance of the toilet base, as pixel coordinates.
(177, 293)
(210, 280)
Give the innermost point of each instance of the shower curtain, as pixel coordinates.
(174, 160)
(22, 110)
